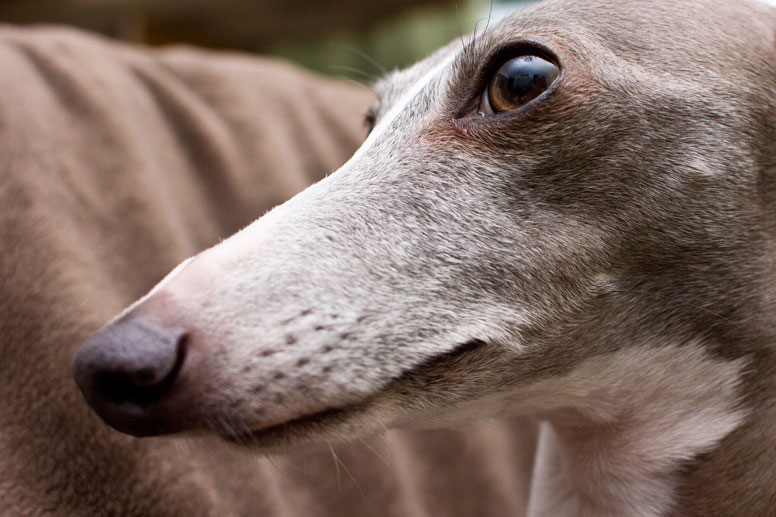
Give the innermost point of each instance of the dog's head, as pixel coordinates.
(576, 179)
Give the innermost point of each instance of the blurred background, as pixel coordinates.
(345, 38)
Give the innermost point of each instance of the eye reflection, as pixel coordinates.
(517, 82)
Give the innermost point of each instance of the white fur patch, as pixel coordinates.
(399, 107)
(618, 427)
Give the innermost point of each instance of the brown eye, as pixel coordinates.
(518, 82)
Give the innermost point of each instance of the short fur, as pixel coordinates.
(602, 259)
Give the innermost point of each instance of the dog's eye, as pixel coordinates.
(516, 83)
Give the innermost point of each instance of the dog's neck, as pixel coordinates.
(618, 432)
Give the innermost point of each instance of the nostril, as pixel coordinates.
(145, 377)
(119, 388)
(153, 376)
(130, 361)
(138, 383)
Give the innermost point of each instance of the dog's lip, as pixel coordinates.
(330, 417)
(278, 434)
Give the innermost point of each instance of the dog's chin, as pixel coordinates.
(374, 414)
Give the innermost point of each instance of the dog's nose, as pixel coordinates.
(126, 369)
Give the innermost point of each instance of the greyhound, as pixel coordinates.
(569, 215)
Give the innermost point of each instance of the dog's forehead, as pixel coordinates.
(393, 85)
(684, 35)
(706, 32)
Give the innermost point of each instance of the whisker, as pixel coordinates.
(351, 69)
(296, 468)
(336, 465)
(385, 438)
(366, 444)
(490, 14)
(336, 458)
(271, 461)
(351, 80)
(245, 429)
(460, 31)
(229, 430)
(363, 55)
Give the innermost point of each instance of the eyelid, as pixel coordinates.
(485, 109)
(513, 49)
(490, 62)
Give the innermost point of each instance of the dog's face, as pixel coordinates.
(575, 180)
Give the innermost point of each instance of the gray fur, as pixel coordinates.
(458, 259)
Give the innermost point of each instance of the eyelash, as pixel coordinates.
(493, 63)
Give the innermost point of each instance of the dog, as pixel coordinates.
(568, 215)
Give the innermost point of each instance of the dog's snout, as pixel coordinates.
(126, 370)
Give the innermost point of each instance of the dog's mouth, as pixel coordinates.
(341, 422)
